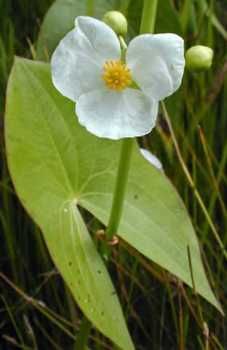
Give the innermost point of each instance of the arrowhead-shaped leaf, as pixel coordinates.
(44, 159)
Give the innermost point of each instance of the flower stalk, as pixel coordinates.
(147, 26)
(148, 16)
(120, 187)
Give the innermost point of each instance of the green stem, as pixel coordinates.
(147, 26)
(90, 8)
(148, 16)
(123, 48)
(82, 337)
(120, 187)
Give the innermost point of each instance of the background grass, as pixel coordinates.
(36, 309)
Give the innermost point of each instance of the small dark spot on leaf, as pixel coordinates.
(99, 271)
(135, 196)
(113, 292)
(70, 263)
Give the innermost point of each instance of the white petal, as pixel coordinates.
(151, 158)
(78, 60)
(101, 38)
(157, 63)
(117, 115)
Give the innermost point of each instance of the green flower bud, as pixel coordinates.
(199, 58)
(117, 21)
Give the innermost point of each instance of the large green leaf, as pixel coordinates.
(48, 172)
(60, 18)
(55, 162)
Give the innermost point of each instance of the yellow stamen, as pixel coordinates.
(116, 75)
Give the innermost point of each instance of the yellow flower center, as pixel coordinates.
(116, 75)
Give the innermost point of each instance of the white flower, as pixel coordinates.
(151, 158)
(116, 99)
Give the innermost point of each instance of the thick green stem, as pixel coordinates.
(147, 26)
(148, 16)
(120, 187)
